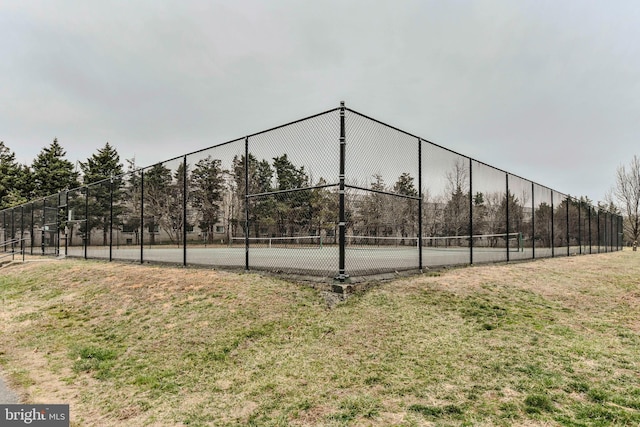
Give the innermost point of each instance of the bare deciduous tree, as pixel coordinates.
(627, 192)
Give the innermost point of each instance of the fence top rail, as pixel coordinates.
(294, 122)
(447, 149)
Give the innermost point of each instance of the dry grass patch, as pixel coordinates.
(547, 343)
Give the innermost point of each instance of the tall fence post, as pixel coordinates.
(13, 230)
(621, 232)
(58, 223)
(246, 203)
(44, 222)
(87, 231)
(507, 215)
(470, 211)
(420, 204)
(568, 236)
(605, 234)
(342, 275)
(141, 216)
(589, 212)
(111, 218)
(533, 220)
(22, 230)
(42, 226)
(580, 225)
(553, 231)
(66, 227)
(610, 232)
(614, 233)
(31, 229)
(598, 229)
(184, 212)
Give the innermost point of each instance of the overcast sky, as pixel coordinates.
(549, 90)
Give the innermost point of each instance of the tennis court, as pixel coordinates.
(313, 255)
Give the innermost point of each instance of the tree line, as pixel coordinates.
(50, 172)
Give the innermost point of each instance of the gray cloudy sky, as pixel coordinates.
(549, 90)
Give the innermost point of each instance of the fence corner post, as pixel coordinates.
(342, 275)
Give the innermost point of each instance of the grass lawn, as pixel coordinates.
(551, 342)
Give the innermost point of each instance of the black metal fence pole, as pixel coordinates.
(611, 237)
(13, 234)
(614, 231)
(609, 231)
(507, 215)
(589, 212)
(618, 238)
(568, 201)
(580, 225)
(142, 216)
(184, 212)
(533, 221)
(22, 230)
(66, 227)
(87, 231)
(553, 231)
(470, 211)
(621, 232)
(13, 230)
(111, 218)
(614, 228)
(342, 275)
(598, 230)
(420, 204)
(605, 233)
(44, 222)
(58, 223)
(31, 230)
(246, 203)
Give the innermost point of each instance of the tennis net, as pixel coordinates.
(480, 241)
(383, 242)
(281, 242)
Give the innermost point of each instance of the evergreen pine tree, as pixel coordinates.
(52, 172)
(103, 167)
(9, 174)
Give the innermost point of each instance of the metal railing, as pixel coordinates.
(13, 251)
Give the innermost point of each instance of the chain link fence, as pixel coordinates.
(336, 194)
